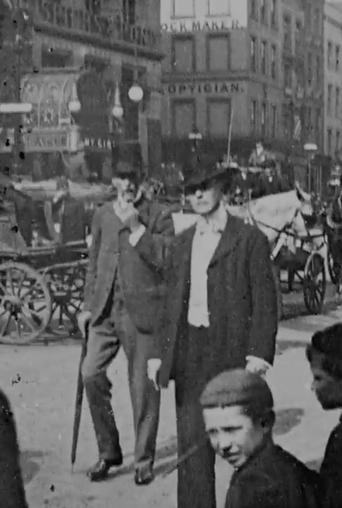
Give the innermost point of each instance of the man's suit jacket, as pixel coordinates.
(274, 479)
(241, 298)
(110, 253)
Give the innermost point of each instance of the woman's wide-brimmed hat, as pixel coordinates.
(202, 168)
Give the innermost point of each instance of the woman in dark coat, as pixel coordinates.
(12, 493)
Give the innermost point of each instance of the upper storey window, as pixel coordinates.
(183, 9)
(218, 7)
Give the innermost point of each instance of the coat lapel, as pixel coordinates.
(229, 239)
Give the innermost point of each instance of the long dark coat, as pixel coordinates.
(274, 479)
(141, 281)
(241, 298)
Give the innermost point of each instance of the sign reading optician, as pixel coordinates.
(207, 87)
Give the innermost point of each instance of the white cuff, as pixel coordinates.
(255, 364)
(136, 235)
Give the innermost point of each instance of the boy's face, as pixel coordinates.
(327, 388)
(233, 434)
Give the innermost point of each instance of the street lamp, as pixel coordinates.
(195, 137)
(310, 148)
(74, 104)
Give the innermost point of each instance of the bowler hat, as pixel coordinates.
(125, 169)
(202, 168)
(329, 341)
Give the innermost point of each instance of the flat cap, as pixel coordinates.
(237, 387)
(329, 341)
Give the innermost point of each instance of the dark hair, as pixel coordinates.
(329, 364)
(258, 413)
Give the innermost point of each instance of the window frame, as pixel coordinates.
(213, 100)
(273, 14)
(177, 16)
(211, 36)
(255, 68)
(337, 57)
(337, 101)
(173, 104)
(263, 125)
(263, 11)
(254, 115)
(263, 57)
(179, 37)
(227, 13)
(273, 61)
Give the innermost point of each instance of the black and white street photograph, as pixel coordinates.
(170, 254)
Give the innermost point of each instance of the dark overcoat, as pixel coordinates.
(241, 298)
(140, 280)
(274, 479)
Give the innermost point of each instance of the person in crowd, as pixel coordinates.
(239, 417)
(12, 492)
(324, 354)
(221, 313)
(123, 296)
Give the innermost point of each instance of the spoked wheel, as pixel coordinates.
(25, 303)
(314, 283)
(66, 284)
(332, 267)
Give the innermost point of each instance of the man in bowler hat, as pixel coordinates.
(325, 358)
(123, 295)
(221, 313)
(239, 417)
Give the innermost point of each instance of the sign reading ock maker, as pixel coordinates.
(212, 87)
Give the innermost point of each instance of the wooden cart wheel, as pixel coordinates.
(314, 283)
(66, 285)
(25, 303)
(332, 272)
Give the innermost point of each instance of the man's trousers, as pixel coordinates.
(196, 475)
(104, 341)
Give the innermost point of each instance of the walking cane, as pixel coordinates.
(79, 400)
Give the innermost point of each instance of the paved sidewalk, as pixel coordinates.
(40, 381)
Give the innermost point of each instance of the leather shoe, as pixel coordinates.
(143, 476)
(100, 470)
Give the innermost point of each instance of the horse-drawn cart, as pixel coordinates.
(38, 286)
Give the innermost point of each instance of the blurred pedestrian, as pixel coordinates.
(324, 354)
(221, 313)
(123, 298)
(239, 418)
(12, 493)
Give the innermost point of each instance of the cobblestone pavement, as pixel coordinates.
(40, 381)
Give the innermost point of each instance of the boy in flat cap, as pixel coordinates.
(325, 357)
(239, 417)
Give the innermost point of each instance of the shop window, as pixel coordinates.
(218, 117)
(131, 109)
(274, 121)
(264, 57)
(274, 61)
(254, 54)
(263, 12)
(273, 13)
(254, 112)
(329, 141)
(253, 9)
(184, 116)
(329, 55)
(218, 52)
(263, 118)
(218, 7)
(337, 58)
(56, 58)
(329, 100)
(183, 9)
(183, 54)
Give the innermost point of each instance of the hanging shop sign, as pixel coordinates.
(98, 143)
(41, 141)
(207, 87)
